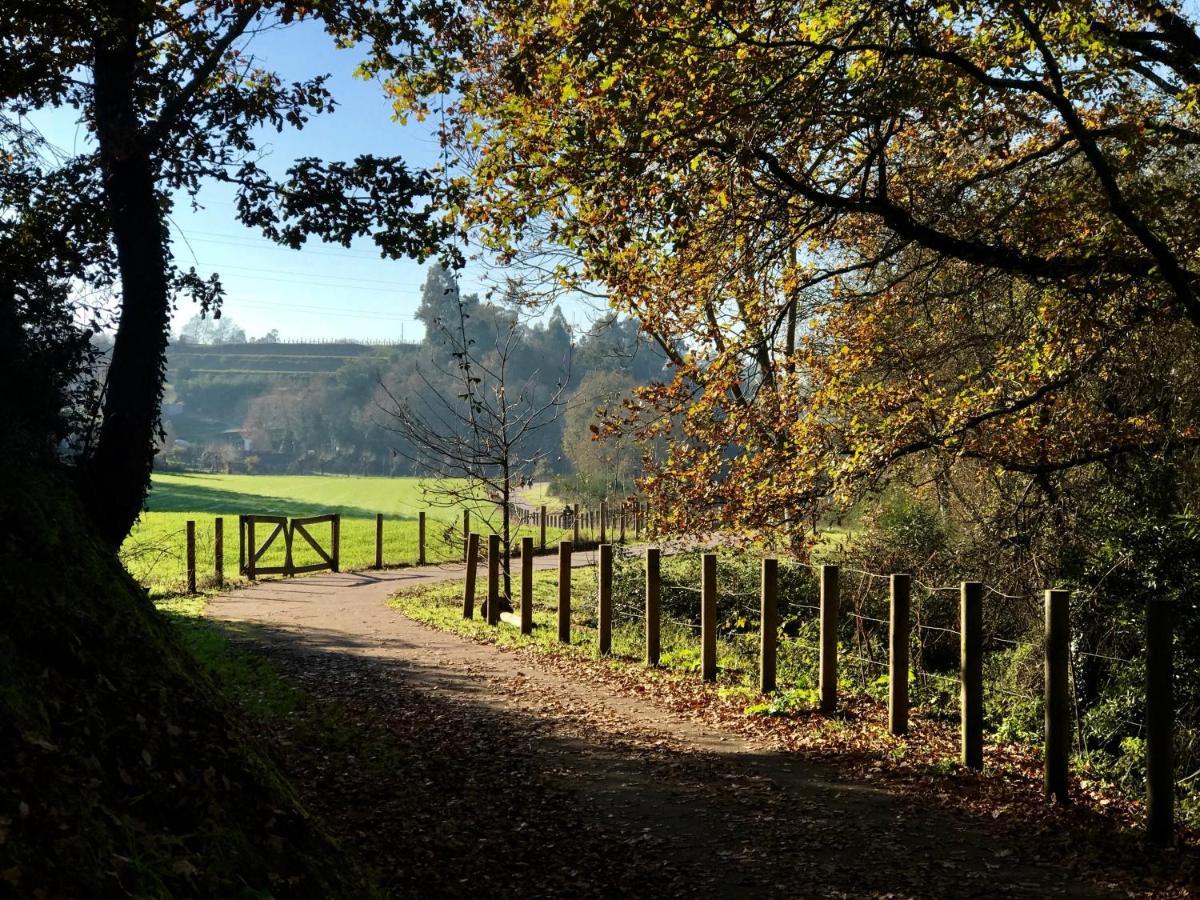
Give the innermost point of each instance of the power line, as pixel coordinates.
(338, 279)
(308, 309)
(306, 281)
(235, 240)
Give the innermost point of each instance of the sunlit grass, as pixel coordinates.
(155, 552)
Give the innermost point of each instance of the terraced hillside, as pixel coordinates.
(184, 360)
(211, 385)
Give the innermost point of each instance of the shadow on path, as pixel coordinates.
(518, 783)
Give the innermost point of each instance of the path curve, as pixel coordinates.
(765, 822)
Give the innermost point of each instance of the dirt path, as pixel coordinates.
(684, 807)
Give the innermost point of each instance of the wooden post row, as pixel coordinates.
(219, 551)
(575, 523)
(527, 584)
(564, 592)
(653, 599)
(1057, 701)
(379, 540)
(241, 545)
(466, 533)
(542, 527)
(898, 644)
(708, 617)
(191, 556)
(249, 548)
(1160, 705)
(768, 625)
(493, 580)
(603, 517)
(286, 532)
(827, 685)
(971, 673)
(469, 579)
(336, 530)
(605, 600)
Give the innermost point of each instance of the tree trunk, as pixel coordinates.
(506, 540)
(117, 476)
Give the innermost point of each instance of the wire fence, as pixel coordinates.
(1013, 672)
(1013, 675)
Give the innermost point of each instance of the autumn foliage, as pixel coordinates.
(872, 236)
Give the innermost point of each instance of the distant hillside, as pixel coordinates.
(210, 386)
(281, 407)
(270, 359)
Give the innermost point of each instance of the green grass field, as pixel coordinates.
(155, 552)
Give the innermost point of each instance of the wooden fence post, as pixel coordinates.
(493, 582)
(250, 548)
(527, 585)
(287, 534)
(768, 619)
(219, 551)
(191, 556)
(971, 674)
(1058, 700)
(827, 682)
(542, 527)
(708, 617)
(653, 606)
(604, 611)
(899, 636)
(564, 592)
(1160, 710)
(336, 530)
(241, 545)
(469, 578)
(421, 538)
(379, 540)
(603, 521)
(575, 523)
(466, 533)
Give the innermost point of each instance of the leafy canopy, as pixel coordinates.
(881, 232)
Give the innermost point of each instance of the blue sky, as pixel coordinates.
(324, 291)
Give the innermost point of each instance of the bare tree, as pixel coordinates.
(471, 430)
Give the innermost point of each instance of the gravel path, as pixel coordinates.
(683, 806)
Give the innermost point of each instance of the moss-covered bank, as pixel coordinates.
(122, 769)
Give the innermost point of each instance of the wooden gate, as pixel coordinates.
(250, 551)
(329, 560)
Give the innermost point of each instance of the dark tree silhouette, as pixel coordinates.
(172, 99)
